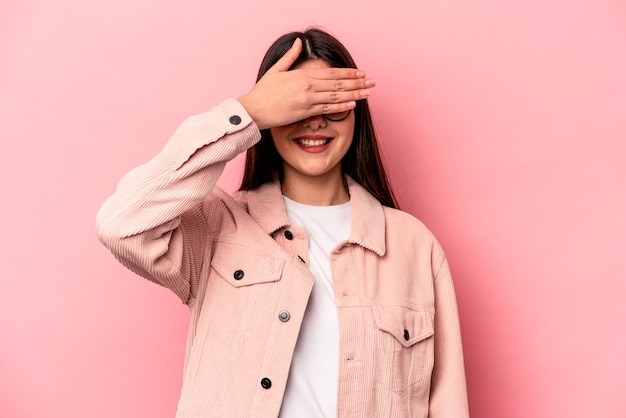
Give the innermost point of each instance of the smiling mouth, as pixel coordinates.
(307, 143)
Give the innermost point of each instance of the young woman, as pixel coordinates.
(310, 294)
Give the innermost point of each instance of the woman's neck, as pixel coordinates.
(325, 190)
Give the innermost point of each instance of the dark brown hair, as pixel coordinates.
(362, 162)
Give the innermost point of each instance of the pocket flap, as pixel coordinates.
(407, 325)
(244, 266)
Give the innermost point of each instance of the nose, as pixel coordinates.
(314, 122)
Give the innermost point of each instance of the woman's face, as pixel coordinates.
(314, 146)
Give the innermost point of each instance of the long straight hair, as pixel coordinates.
(362, 161)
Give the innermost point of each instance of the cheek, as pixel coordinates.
(279, 132)
(281, 142)
(349, 134)
(278, 136)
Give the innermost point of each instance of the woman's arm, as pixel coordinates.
(154, 222)
(448, 395)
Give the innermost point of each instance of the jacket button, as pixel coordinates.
(284, 316)
(406, 335)
(238, 275)
(235, 120)
(288, 235)
(266, 383)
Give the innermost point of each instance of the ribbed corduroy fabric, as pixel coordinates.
(227, 258)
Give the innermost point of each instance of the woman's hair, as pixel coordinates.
(362, 162)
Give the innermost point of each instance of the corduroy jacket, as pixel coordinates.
(247, 283)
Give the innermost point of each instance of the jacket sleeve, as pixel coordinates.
(448, 395)
(156, 222)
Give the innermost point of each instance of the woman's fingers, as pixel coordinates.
(335, 91)
(326, 108)
(337, 97)
(334, 73)
(342, 85)
(337, 84)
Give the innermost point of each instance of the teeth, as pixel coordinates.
(312, 142)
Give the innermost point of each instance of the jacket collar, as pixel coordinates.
(267, 207)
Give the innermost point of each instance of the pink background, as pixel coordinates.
(503, 126)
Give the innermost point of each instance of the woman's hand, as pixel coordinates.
(282, 97)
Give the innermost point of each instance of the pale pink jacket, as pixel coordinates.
(247, 282)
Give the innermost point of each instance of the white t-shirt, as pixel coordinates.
(312, 385)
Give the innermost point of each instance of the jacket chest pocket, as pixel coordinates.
(241, 286)
(244, 266)
(408, 339)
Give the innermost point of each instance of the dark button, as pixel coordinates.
(288, 235)
(266, 383)
(301, 259)
(238, 275)
(235, 120)
(406, 335)
(284, 316)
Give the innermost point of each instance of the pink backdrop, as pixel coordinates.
(503, 125)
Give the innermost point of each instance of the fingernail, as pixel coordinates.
(294, 42)
(360, 73)
(370, 82)
(364, 93)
